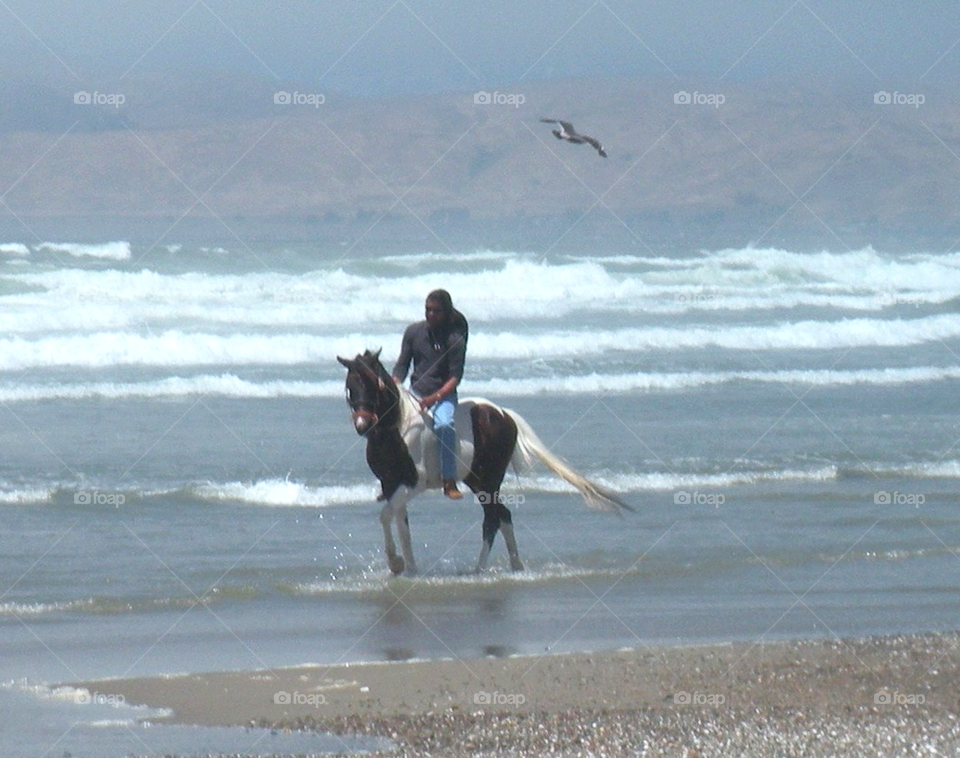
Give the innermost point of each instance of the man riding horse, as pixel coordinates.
(401, 453)
(437, 347)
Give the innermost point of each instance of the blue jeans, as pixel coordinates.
(443, 427)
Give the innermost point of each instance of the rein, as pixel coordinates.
(363, 413)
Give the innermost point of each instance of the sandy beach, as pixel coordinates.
(878, 696)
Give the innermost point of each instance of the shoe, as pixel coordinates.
(451, 491)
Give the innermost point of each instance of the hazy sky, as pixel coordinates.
(382, 47)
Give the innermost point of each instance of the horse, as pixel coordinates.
(403, 453)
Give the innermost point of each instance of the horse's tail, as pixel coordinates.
(530, 448)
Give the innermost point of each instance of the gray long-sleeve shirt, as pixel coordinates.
(437, 355)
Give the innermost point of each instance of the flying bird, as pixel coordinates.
(567, 132)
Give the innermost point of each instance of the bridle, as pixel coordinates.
(361, 411)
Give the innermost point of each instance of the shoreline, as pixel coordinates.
(878, 695)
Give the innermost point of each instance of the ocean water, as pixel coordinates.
(181, 489)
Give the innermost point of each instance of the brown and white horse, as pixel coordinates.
(402, 452)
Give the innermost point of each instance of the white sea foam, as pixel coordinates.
(179, 348)
(948, 469)
(173, 348)
(223, 385)
(43, 609)
(670, 481)
(14, 248)
(439, 579)
(417, 259)
(27, 495)
(230, 385)
(117, 251)
(280, 492)
(798, 335)
(634, 382)
(738, 280)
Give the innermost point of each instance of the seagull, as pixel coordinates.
(567, 132)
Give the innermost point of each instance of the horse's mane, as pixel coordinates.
(409, 409)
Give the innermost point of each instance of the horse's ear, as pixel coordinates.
(380, 383)
(345, 362)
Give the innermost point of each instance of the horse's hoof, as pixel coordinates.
(516, 565)
(396, 564)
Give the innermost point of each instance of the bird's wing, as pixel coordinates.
(549, 121)
(568, 127)
(592, 142)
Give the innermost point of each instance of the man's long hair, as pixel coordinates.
(455, 319)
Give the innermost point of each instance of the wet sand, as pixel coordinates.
(877, 696)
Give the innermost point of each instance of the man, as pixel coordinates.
(437, 346)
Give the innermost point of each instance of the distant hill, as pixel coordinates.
(768, 159)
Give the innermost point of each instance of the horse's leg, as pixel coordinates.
(394, 561)
(495, 436)
(491, 524)
(509, 539)
(403, 529)
(497, 517)
(389, 459)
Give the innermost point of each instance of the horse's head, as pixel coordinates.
(371, 393)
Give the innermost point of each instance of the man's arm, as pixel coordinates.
(456, 357)
(447, 389)
(402, 366)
